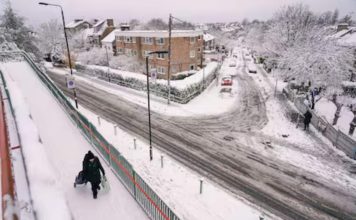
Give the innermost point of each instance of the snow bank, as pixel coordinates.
(48, 199)
(179, 84)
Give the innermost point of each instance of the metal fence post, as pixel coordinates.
(135, 143)
(201, 186)
(161, 161)
(99, 120)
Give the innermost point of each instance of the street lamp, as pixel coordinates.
(148, 98)
(65, 35)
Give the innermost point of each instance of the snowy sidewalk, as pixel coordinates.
(65, 147)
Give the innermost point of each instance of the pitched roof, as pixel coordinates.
(110, 38)
(159, 33)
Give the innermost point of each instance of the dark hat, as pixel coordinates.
(90, 155)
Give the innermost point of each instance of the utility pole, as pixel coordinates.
(202, 67)
(169, 57)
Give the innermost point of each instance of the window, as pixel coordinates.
(128, 52)
(120, 51)
(147, 40)
(199, 49)
(130, 39)
(121, 38)
(192, 54)
(199, 37)
(192, 67)
(161, 56)
(134, 53)
(161, 69)
(160, 41)
(192, 40)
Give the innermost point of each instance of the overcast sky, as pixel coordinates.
(190, 10)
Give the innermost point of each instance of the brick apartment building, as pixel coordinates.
(187, 48)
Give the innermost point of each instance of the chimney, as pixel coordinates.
(110, 22)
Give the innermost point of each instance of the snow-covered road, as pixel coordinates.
(231, 149)
(65, 148)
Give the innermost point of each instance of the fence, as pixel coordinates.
(179, 96)
(151, 203)
(337, 137)
(7, 183)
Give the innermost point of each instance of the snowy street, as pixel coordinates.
(64, 147)
(242, 149)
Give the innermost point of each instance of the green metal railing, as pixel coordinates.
(151, 203)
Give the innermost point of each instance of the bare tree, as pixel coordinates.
(156, 24)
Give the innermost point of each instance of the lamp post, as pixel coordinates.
(66, 38)
(148, 98)
(107, 59)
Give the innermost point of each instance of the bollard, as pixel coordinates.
(115, 130)
(201, 186)
(161, 161)
(99, 120)
(135, 143)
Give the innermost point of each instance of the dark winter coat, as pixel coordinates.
(93, 171)
(307, 117)
(87, 157)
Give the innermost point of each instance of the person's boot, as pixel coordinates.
(95, 195)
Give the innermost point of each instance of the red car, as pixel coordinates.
(226, 81)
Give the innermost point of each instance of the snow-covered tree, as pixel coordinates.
(156, 24)
(14, 30)
(127, 63)
(95, 56)
(51, 36)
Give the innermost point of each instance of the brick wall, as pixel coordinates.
(181, 59)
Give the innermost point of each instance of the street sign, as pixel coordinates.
(70, 82)
(154, 74)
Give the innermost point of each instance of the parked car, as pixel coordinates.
(226, 81)
(252, 68)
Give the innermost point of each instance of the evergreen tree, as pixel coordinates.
(14, 30)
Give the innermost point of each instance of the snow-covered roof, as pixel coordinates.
(98, 23)
(348, 38)
(163, 34)
(208, 37)
(75, 23)
(110, 38)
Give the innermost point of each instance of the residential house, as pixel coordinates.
(186, 49)
(209, 41)
(109, 42)
(77, 25)
(100, 30)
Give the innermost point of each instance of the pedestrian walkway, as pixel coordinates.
(65, 148)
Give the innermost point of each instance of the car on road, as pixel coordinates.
(226, 81)
(252, 68)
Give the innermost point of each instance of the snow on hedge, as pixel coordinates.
(179, 84)
(48, 200)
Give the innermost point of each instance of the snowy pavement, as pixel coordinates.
(50, 139)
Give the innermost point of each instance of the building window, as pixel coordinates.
(199, 37)
(147, 40)
(192, 54)
(192, 67)
(192, 40)
(130, 39)
(199, 49)
(161, 70)
(120, 51)
(160, 41)
(128, 52)
(134, 52)
(161, 56)
(121, 38)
